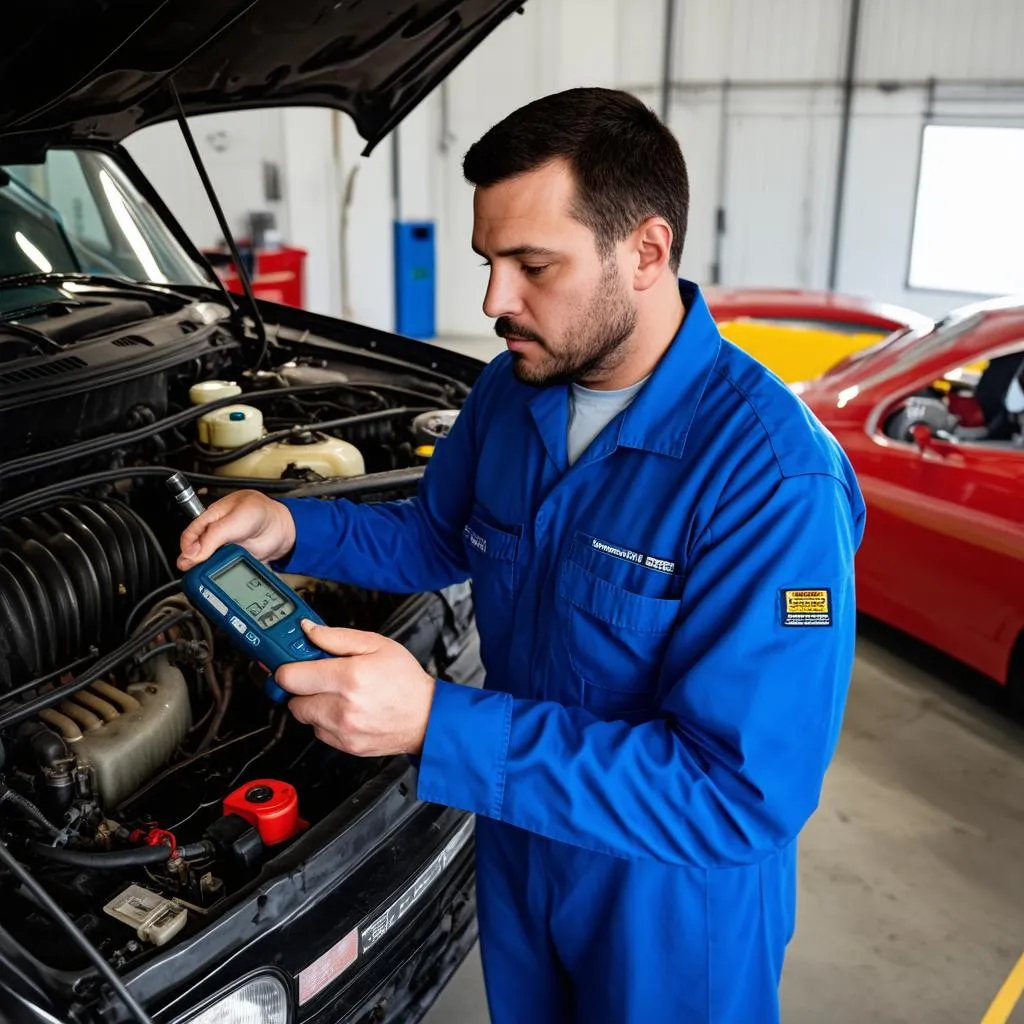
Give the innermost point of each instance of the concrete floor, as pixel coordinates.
(912, 878)
(912, 875)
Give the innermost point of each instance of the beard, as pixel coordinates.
(592, 347)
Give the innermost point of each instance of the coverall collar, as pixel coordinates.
(659, 418)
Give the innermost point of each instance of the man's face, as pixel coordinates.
(564, 309)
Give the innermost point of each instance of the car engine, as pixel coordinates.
(145, 777)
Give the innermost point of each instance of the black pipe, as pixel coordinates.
(396, 175)
(723, 183)
(185, 648)
(31, 708)
(666, 59)
(75, 452)
(150, 598)
(47, 746)
(110, 860)
(220, 456)
(353, 485)
(34, 684)
(77, 936)
(852, 39)
(44, 495)
(55, 779)
(28, 808)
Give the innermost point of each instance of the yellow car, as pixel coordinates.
(800, 334)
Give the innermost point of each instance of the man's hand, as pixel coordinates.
(372, 700)
(262, 526)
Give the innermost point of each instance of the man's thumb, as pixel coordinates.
(339, 640)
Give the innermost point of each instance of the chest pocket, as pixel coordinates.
(615, 638)
(491, 551)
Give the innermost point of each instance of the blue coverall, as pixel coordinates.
(668, 633)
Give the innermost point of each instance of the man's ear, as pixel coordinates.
(653, 248)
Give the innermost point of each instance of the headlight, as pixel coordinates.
(264, 1000)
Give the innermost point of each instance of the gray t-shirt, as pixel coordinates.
(591, 411)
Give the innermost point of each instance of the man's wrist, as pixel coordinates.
(285, 551)
(415, 748)
(288, 533)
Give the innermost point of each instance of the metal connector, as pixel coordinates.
(178, 485)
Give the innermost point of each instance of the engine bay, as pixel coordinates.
(145, 777)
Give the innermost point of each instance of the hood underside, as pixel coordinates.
(373, 59)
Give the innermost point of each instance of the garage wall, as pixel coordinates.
(234, 148)
(552, 45)
(756, 100)
(772, 73)
(311, 152)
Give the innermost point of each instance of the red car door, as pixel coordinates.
(938, 453)
(894, 559)
(967, 548)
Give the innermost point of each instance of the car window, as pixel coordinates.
(981, 402)
(77, 212)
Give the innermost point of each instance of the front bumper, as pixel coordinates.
(395, 872)
(406, 979)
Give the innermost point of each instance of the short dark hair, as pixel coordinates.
(628, 166)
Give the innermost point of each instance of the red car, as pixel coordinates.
(801, 307)
(801, 334)
(933, 421)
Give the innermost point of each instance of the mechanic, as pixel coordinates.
(661, 540)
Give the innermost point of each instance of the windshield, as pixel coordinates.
(78, 213)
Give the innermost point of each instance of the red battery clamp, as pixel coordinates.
(272, 807)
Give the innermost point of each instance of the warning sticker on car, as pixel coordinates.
(805, 607)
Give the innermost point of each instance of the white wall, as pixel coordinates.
(877, 223)
(782, 163)
(233, 148)
(764, 147)
(302, 144)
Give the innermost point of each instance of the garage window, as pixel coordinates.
(969, 218)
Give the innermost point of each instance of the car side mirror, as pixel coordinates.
(923, 437)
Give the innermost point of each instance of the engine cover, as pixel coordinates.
(125, 736)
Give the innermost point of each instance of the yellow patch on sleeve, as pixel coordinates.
(812, 607)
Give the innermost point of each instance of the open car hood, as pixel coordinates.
(373, 59)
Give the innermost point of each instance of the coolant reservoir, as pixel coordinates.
(328, 456)
(211, 390)
(230, 426)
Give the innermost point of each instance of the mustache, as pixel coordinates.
(505, 328)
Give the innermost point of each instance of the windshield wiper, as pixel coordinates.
(124, 284)
(38, 338)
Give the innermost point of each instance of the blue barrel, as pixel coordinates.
(415, 279)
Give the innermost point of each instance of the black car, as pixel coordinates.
(170, 837)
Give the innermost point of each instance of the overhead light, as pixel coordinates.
(263, 1000)
(131, 230)
(33, 253)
